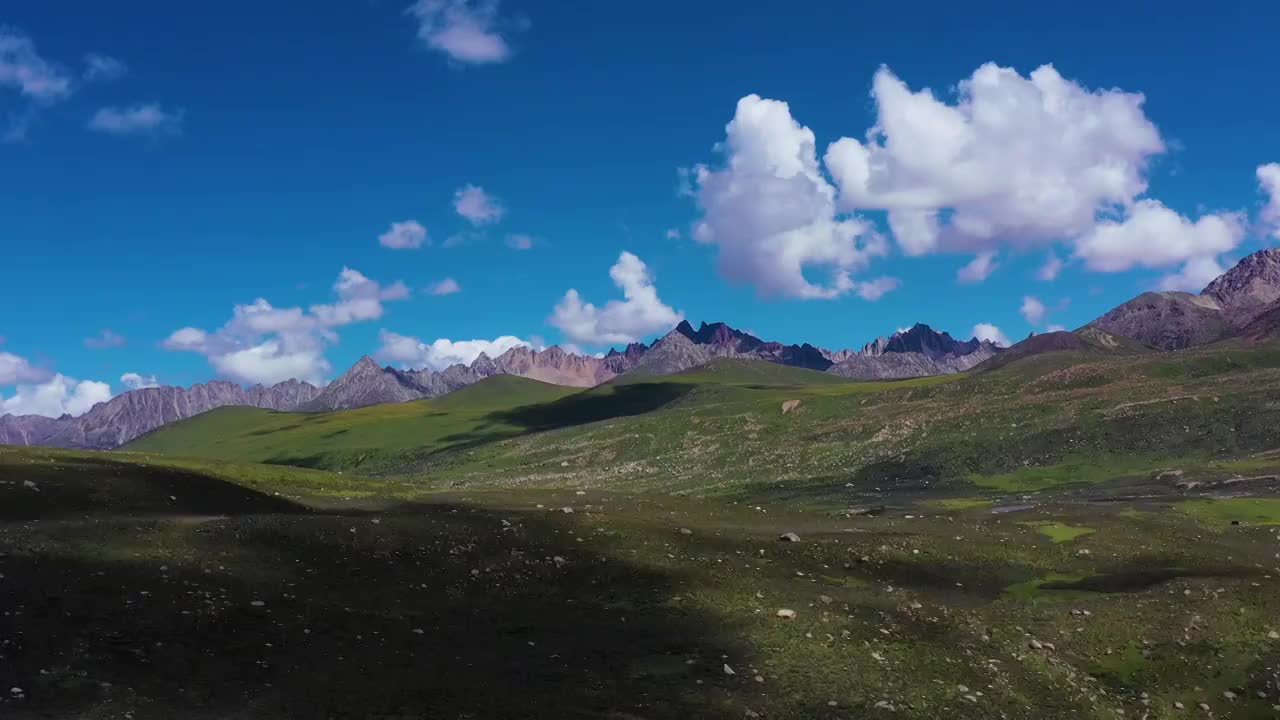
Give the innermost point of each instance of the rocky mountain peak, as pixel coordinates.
(1249, 287)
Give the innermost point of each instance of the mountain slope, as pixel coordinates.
(917, 352)
(133, 413)
(1168, 320)
(1249, 288)
(1177, 320)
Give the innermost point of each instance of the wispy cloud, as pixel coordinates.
(147, 119)
(105, 338)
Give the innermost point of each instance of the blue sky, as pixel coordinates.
(164, 163)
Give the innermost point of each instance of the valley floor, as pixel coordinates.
(140, 587)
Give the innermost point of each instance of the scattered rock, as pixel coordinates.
(786, 614)
(685, 531)
(728, 670)
(789, 537)
(790, 405)
(826, 599)
(566, 510)
(1273, 635)
(1035, 644)
(258, 603)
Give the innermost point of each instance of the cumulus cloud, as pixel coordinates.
(1051, 267)
(520, 242)
(1020, 160)
(639, 313)
(1053, 327)
(1033, 310)
(403, 235)
(990, 333)
(1269, 181)
(105, 338)
(58, 396)
(135, 381)
(146, 119)
(978, 269)
(16, 369)
(410, 352)
(1153, 236)
(673, 233)
(477, 206)
(103, 67)
(467, 31)
(772, 213)
(265, 344)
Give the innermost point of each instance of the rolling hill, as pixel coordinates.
(368, 437)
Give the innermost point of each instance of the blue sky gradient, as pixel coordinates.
(290, 139)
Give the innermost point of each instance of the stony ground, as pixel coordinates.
(135, 588)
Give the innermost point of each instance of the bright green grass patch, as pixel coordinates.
(1221, 513)
(960, 503)
(1059, 532)
(1031, 590)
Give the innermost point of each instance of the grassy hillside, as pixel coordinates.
(1175, 409)
(368, 439)
(139, 586)
(749, 429)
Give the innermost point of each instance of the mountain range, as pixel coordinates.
(1225, 308)
(1243, 302)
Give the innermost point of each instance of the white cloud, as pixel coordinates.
(272, 362)
(772, 212)
(105, 338)
(447, 286)
(265, 344)
(402, 235)
(990, 333)
(411, 352)
(22, 69)
(1033, 310)
(134, 381)
(1019, 160)
(1153, 236)
(1054, 327)
(978, 269)
(640, 313)
(477, 206)
(15, 369)
(468, 31)
(875, 289)
(1051, 267)
(103, 67)
(147, 119)
(187, 338)
(1269, 181)
(673, 234)
(519, 242)
(359, 298)
(1195, 274)
(58, 396)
